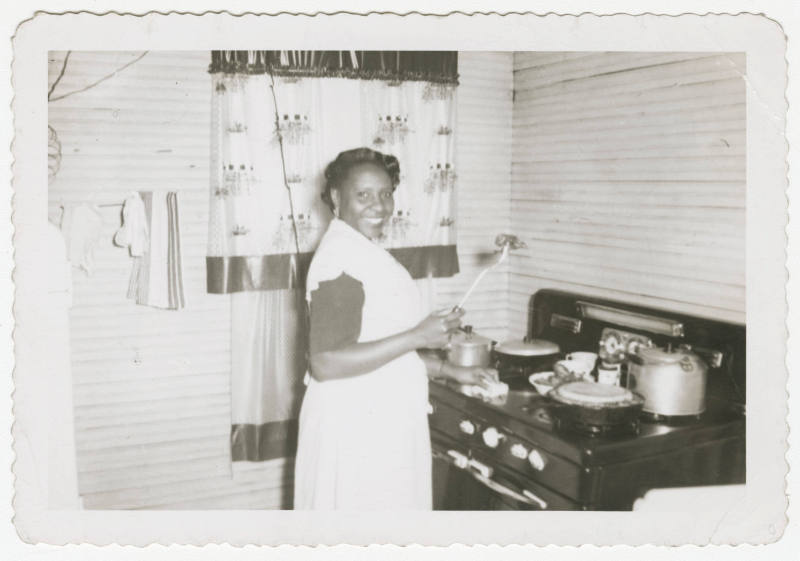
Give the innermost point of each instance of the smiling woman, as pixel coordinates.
(363, 440)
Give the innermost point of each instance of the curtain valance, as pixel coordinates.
(259, 238)
(425, 66)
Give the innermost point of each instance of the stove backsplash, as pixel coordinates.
(563, 317)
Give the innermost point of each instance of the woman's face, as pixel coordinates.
(365, 199)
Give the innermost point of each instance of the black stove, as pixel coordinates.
(513, 454)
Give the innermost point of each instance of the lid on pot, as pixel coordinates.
(534, 347)
(657, 355)
(467, 338)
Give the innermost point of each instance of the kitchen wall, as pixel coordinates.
(151, 387)
(628, 179)
(484, 182)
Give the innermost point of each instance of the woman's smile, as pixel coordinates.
(365, 199)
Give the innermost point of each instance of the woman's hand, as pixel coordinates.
(435, 330)
(471, 375)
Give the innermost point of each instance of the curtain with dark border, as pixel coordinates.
(278, 117)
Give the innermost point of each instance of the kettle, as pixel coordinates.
(469, 349)
(673, 382)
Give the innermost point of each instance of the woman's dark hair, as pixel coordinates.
(338, 169)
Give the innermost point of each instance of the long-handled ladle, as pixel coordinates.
(505, 242)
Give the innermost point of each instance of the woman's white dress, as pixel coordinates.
(363, 441)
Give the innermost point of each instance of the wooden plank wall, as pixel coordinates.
(152, 387)
(484, 182)
(628, 179)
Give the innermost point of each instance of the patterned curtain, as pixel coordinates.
(318, 104)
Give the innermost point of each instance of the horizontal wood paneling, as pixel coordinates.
(628, 179)
(483, 151)
(152, 387)
(695, 69)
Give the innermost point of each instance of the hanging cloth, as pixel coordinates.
(268, 342)
(134, 233)
(157, 275)
(82, 227)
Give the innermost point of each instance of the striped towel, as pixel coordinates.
(157, 275)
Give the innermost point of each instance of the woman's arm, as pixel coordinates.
(356, 359)
(359, 358)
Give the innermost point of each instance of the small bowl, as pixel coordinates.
(538, 381)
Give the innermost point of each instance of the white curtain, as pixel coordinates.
(252, 250)
(268, 342)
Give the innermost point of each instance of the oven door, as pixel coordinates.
(461, 482)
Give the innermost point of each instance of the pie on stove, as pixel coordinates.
(592, 393)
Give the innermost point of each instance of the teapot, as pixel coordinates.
(673, 382)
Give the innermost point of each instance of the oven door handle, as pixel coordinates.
(462, 461)
(525, 497)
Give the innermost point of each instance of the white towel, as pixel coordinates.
(82, 227)
(157, 275)
(134, 233)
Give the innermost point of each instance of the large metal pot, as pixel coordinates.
(469, 349)
(673, 382)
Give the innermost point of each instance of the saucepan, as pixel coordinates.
(469, 349)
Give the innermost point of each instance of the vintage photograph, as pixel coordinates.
(374, 285)
(399, 279)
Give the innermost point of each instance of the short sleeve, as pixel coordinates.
(336, 308)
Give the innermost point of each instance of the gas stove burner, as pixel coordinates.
(671, 420)
(630, 428)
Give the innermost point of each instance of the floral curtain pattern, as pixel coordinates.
(317, 109)
(251, 235)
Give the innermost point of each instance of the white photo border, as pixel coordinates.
(759, 518)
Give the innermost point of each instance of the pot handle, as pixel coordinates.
(712, 357)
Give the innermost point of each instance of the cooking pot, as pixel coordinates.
(673, 382)
(469, 349)
(523, 358)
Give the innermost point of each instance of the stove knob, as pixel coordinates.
(466, 427)
(492, 437)
(519, 451)
(536, 460)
